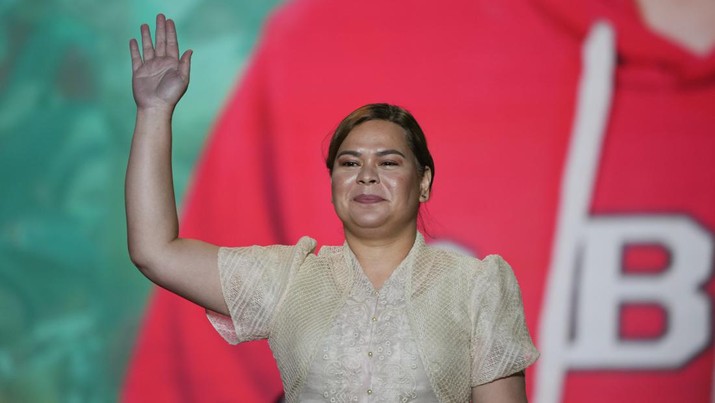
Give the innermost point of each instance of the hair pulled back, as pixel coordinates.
(413, 132)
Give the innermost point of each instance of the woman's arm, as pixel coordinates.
(510, 389)
(186, 267)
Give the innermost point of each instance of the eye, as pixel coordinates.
(349, 163)
(390, 163)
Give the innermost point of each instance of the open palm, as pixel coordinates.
(161, 77)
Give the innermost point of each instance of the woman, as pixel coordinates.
(383, 317)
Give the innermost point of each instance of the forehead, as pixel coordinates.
(376, 134)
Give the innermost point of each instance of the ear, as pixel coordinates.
(425, 184)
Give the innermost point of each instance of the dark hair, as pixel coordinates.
(413, 132)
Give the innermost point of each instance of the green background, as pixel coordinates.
(70, 300)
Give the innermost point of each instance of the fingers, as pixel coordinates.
(147, 46)
(172, 44)
(166, 42)
(185, 64)
(136, 56)
(160, 35)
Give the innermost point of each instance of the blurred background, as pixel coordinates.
(592, 175)
(70, 300)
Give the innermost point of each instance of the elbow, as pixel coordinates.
(141, 259)
(151, 259)
(139, 262)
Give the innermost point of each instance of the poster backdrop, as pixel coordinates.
(568, 137)
(70, 300)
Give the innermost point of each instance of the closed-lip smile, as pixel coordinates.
(367, 198)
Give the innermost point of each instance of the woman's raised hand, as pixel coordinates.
(161, 77)
(186, 267)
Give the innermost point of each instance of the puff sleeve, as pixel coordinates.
(501, 344)
(254, 280)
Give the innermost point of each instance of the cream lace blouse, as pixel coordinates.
(370, 351)
(367, 345)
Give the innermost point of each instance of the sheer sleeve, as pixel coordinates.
(254, 280)
(501, 345)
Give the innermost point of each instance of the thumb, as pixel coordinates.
(185, 64)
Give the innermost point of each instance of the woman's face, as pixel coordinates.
(376, 183)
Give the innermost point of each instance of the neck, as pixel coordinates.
(380, 256)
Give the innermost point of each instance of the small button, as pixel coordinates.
(374, 319)
(369, 353)
(369, 391)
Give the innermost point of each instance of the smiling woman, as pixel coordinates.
(377, 186)
(384, 317)
(377, 181)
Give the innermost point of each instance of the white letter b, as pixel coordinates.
(603, 287)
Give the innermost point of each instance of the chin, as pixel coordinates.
(362, 223)
(369, 224)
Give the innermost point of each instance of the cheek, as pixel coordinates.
(334, 189)
(339, 184)
(403, 184)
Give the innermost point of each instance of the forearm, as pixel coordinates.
(152, 222)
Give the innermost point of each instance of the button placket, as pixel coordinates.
(371, 345)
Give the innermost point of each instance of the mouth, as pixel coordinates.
(368, 199)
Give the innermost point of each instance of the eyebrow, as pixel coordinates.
(380, 153)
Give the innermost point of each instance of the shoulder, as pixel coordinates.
(476, 274)
(464, 264)
(436, 268)
(305, 243)
(270, 253)
(494, 271)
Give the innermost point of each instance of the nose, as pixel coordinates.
(367, 175)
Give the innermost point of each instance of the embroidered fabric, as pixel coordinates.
(465, 315)
(369, 353)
